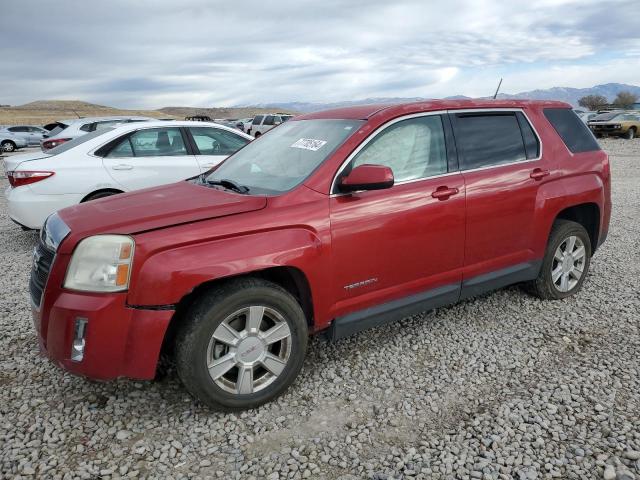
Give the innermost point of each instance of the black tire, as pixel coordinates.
(631, 133)
(257, 135)
(544, 287)
(207, 313)
(97, 195)
(8, 146)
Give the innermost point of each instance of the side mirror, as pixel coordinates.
(367, 177)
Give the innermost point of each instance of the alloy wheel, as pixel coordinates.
(568, 264)
(249, 350)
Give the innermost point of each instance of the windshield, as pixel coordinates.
(605, 117)
(283, 158)
(77, 141)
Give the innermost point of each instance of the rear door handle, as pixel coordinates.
(122, 166)
(539, 174)
(443, 193)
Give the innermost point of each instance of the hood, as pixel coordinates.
(156, 207)
(12, 162)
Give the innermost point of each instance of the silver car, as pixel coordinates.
(30, 133)
(66, 130)
(10, 142)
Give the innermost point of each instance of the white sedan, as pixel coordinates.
(116, 160)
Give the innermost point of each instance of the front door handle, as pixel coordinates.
(539, 174)
(443, 193)
(122, 166)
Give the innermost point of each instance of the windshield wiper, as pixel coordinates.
(229, 185)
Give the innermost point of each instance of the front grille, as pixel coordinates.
(42, 260)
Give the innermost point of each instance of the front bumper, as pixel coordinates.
(31, 209)
(119, 341)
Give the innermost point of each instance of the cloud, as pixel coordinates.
(152, 53)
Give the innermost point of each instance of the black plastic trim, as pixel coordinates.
(439, 297)
(487, 282)
(152, 307)
(395, 310)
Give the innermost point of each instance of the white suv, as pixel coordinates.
(263, 123)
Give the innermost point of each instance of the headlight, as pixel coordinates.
(101, 263)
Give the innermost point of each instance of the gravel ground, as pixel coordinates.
(502, 386)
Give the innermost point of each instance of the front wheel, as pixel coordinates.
(630, 135)
(8, 146)
(566, 262)
(242, 344)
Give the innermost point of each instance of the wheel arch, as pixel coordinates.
(291, 279)
(100, 190)
(587, 215)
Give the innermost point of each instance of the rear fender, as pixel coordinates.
(554, 197)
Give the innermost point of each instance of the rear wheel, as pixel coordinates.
(566, 262)
(257, 134)
(242, 344)
(8, 146)
(631, 133)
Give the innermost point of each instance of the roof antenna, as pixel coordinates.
(497, 89)
(81, 117)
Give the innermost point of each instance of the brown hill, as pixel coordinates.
(42, 112)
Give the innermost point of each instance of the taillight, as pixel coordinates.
(19, 178)
(47, 144)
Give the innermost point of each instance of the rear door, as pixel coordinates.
(150, 157)
(212, 145)
(501, 161)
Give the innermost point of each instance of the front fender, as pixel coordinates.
(165, 277)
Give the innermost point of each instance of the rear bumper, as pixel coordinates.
(31, 209)
(119, 341)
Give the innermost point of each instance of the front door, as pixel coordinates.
(406, 240)
(150, 157)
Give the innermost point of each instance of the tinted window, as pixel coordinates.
(57, 129)
(19, 129)
(283, 159)
(157, 142)
(122, 150)
(88, 127)
(257, 119)
(413, 148)
(574, 133)
(531, 144)
(73, 143)
(213, 141)
(268, 120)
(489, 139)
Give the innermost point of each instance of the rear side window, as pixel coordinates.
(487, 139)
(88, 127)
(257, 119)
(268, 120)
(574, 133)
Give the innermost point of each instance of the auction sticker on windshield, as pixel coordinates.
(309, 144)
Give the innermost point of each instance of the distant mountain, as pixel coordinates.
(572, 95)
(565, 94)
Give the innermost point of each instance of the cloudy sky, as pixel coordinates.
(154, 53)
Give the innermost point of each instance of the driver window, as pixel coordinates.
(213, 141)
(413, 149)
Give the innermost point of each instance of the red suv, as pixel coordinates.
(336, 221)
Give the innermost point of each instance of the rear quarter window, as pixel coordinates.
(574, 133)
